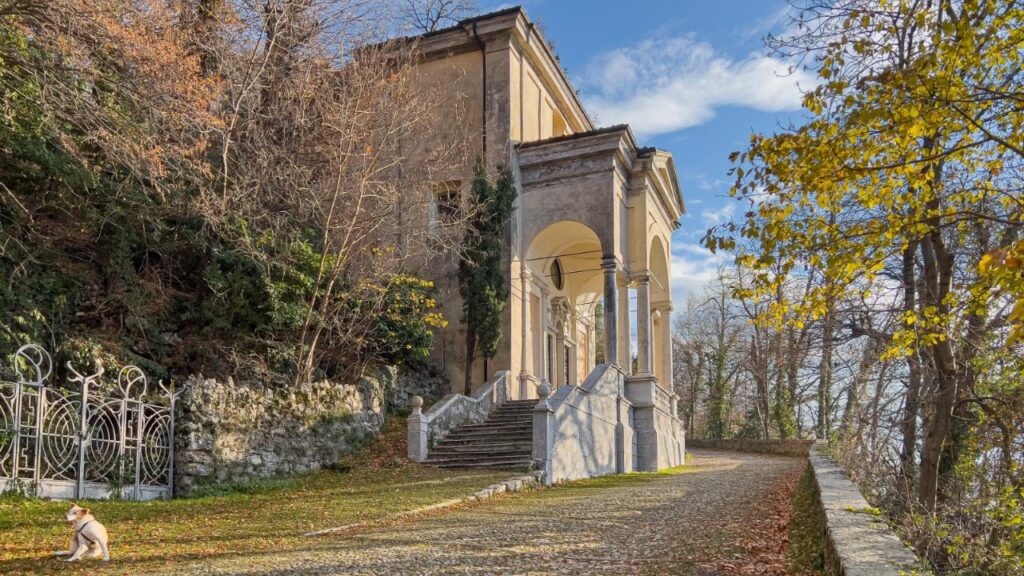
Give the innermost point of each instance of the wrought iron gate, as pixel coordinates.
(60, 443)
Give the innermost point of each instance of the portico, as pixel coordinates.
(594, 217)
(587, 327)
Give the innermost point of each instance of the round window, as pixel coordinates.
(556, 274)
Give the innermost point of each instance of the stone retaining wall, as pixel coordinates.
(230, 432)
(777, 447)
(857, 542)
(425, 383)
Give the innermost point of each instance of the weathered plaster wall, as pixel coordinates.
(231, 432)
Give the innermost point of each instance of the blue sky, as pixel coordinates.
(691, 77)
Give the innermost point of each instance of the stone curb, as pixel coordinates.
(515, 484)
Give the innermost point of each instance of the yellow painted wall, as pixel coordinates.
(535, 113)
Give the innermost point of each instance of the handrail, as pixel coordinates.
(562, 393)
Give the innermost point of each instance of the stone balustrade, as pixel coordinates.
(452, 411)
(583, 431)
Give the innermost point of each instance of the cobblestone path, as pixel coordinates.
(634, 524)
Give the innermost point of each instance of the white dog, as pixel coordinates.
(89, 535)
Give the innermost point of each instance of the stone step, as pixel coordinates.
(497, 425)
(502, 464)
(451, 452)
(497, 442)
(483, 434)
(516, 435)
(507, 421)
(503, 441)
(485, 441)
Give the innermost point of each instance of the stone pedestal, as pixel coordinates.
(543, 431)
(641, 391)
(418, 432)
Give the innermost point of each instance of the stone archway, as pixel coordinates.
(661, 311)
(561, 277)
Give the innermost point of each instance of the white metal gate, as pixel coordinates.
(61, 443)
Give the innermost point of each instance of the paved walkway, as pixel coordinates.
(637, 524)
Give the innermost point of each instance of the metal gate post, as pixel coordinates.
(16, 453)
(40, 411)
(82, 431)
(140, 421)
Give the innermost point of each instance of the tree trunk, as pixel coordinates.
(470, 357)
(911, 404)
(937, 272)
(825, 377)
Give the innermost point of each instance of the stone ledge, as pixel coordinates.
(856, 542)
(515, 484)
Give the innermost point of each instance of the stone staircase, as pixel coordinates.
(503, 441)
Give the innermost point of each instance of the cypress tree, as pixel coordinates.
(482, 283)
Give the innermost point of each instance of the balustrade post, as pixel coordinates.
(418, 434)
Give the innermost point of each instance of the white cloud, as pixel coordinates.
(719, 216)
(693, 267)
(664, 85)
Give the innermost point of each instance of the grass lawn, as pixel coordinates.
(145, 536)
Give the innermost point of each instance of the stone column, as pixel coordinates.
(625, 359)
(665, 336)
(611, 302)
(542, 333)
(643, 325)
(524, 323)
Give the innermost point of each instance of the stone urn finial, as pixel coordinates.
(417, 404)
(543, 390)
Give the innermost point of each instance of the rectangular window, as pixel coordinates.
(447, 202)
(568, 365)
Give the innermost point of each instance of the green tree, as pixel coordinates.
(913, 141)
(482, 281)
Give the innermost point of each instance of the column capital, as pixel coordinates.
(663, 306)
(641, 278)
(609, 263)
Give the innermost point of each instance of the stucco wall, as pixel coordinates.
(577, 431)
(671, 439)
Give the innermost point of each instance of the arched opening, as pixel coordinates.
(562, 282)
(660, 302)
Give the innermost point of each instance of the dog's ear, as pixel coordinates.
(85, 511)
